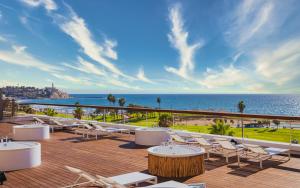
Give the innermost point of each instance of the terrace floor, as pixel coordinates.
(114, 156)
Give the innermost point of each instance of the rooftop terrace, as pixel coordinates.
(118, 155)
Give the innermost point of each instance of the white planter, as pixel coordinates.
(31, 132)
(19, 155)
(151, 136)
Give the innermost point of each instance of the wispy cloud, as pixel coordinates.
(223, 77)
(2, 39)
(19, 56)
(49, 5)
(86, 67)
(121, 84)
(75, 27)
(179, 40)
(141, 76)
(279, 64)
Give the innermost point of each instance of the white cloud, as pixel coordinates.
(2, 39)
(141, 76)
(225, 77)
(179, 40)
(23, 20)
(250, 19)
(119, 83)
(279, 65)
(75, 27)
(87, 67)
(77, 80)
(49, 5)
(19, 56)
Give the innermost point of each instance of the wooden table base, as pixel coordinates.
(176, 166)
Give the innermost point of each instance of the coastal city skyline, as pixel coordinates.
(151, 46)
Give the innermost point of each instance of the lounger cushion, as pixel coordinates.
(111, 182)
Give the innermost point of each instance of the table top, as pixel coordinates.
(135, 177)
(30, 126)
(176, 151)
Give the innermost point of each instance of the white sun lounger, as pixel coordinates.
(227, 149)
(175, 184)
(111, 129)
(133, 178)
(38, 120)
(259, 154)
(205, 144)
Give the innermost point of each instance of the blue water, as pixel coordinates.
(260, 104)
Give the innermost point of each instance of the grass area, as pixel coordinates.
(279, 135)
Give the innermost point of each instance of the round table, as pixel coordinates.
(31, 132)
(19, 155)
(151, 136)
(175, 161)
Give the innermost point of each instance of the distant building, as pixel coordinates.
(23, 92)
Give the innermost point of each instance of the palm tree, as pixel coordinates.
(113, 100)
(78, 112)
(122, 101)
(276, 122)
(241, 107)
(158, 102)
(109, 98)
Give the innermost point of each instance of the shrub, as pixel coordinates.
(49, 112)
(27, 109)
(165, 120)
(221, 128)
(78, 112)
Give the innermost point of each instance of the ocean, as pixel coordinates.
(255, 103)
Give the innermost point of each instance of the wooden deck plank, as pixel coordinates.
(118, 155)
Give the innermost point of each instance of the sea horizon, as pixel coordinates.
(273, 104)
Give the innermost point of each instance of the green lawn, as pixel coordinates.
(280, 135)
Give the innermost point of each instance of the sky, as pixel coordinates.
(163, 46)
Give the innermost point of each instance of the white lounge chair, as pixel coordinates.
(36, 119)
(89, 179)
(227, 149)
(119, 181)
(205, 144)
(259, 154)
(111, 129)
(175, 184)
(88, 130)
(178, 139)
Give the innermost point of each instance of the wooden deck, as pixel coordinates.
(114, 156)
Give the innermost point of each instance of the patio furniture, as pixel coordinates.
(38, 120)
(19, 155)
(176, 160)
(179, 140)
(151, 136)
(110, 129)
(119, 181)
(259, 154)
(31, 132)
(209, 147)
(175, 184)
(227, 149)
(92, 180)
(133, 178)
